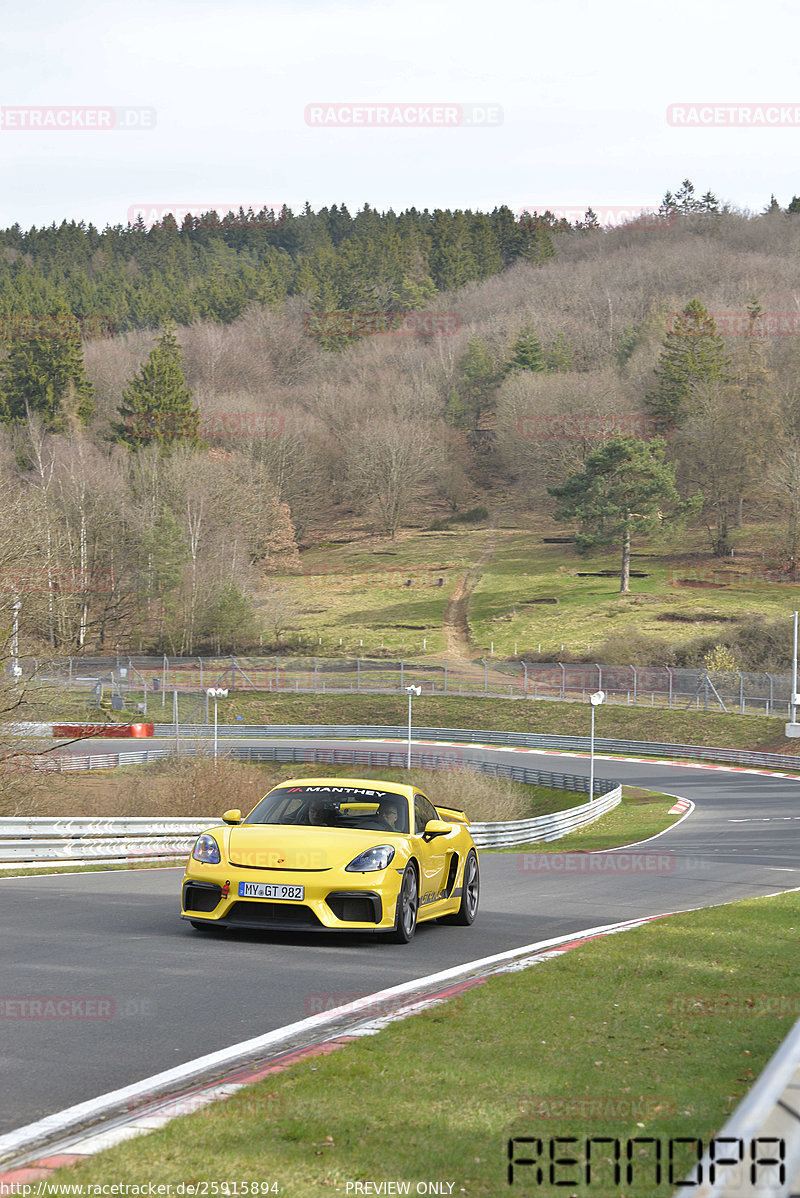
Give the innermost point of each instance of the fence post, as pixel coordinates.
(669, 671)
(201, 674)
(315, 675)
(771, 693)
(563, 681)
(358, 673)
(525, 668)
(741, 692)
(634, 684)
(445, 675)
(402, 672)
(485, 676)
(277, 674)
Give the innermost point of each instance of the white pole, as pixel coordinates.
(794, 669)
(215, 728)
(408, 766)
(591, 760)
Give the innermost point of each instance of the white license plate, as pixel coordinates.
(269, 890)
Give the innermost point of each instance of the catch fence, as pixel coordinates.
(170, 685)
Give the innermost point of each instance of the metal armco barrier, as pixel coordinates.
(522, 740)
(544, 827)
(45, 839)
(42, 838)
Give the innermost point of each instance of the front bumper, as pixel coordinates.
(331, 903)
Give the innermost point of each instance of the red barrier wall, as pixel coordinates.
(74, 730)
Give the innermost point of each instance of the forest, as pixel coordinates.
(185, 409)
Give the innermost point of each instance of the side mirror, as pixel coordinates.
(437, 827)
(233, 816)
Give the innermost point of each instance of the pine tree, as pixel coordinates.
(693, 355)
(476, 389)
(626, 487)
(157, 404)
(44, 374)
(527, 353)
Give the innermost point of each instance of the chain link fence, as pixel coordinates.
(164, 686)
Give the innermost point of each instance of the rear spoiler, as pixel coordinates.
(450, 815)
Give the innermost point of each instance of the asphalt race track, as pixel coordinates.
(164, 994)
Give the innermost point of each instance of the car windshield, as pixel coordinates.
(333, 807)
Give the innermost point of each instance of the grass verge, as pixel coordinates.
(677, 726)
(655, 1033)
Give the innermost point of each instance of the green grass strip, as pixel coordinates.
(656, 1032)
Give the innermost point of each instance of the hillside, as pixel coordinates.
(313, 433)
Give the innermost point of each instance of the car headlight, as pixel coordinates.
(371, 859)
(206, 849)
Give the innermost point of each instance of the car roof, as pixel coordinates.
(398, 788)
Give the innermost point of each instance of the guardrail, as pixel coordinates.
(44, 839)
(524, 740)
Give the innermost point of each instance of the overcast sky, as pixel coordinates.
(573, 104)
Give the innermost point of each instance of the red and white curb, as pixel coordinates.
(33, 1152)
(680, 765)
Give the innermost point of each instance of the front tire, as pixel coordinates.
(470, 893)
(405, 920)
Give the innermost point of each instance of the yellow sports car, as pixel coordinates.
(344, 854)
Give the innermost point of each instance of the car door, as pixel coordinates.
(432, 853)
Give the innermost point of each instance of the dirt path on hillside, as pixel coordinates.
(456, 622)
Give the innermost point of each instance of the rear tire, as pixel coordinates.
(405, 920)
(470, 893)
